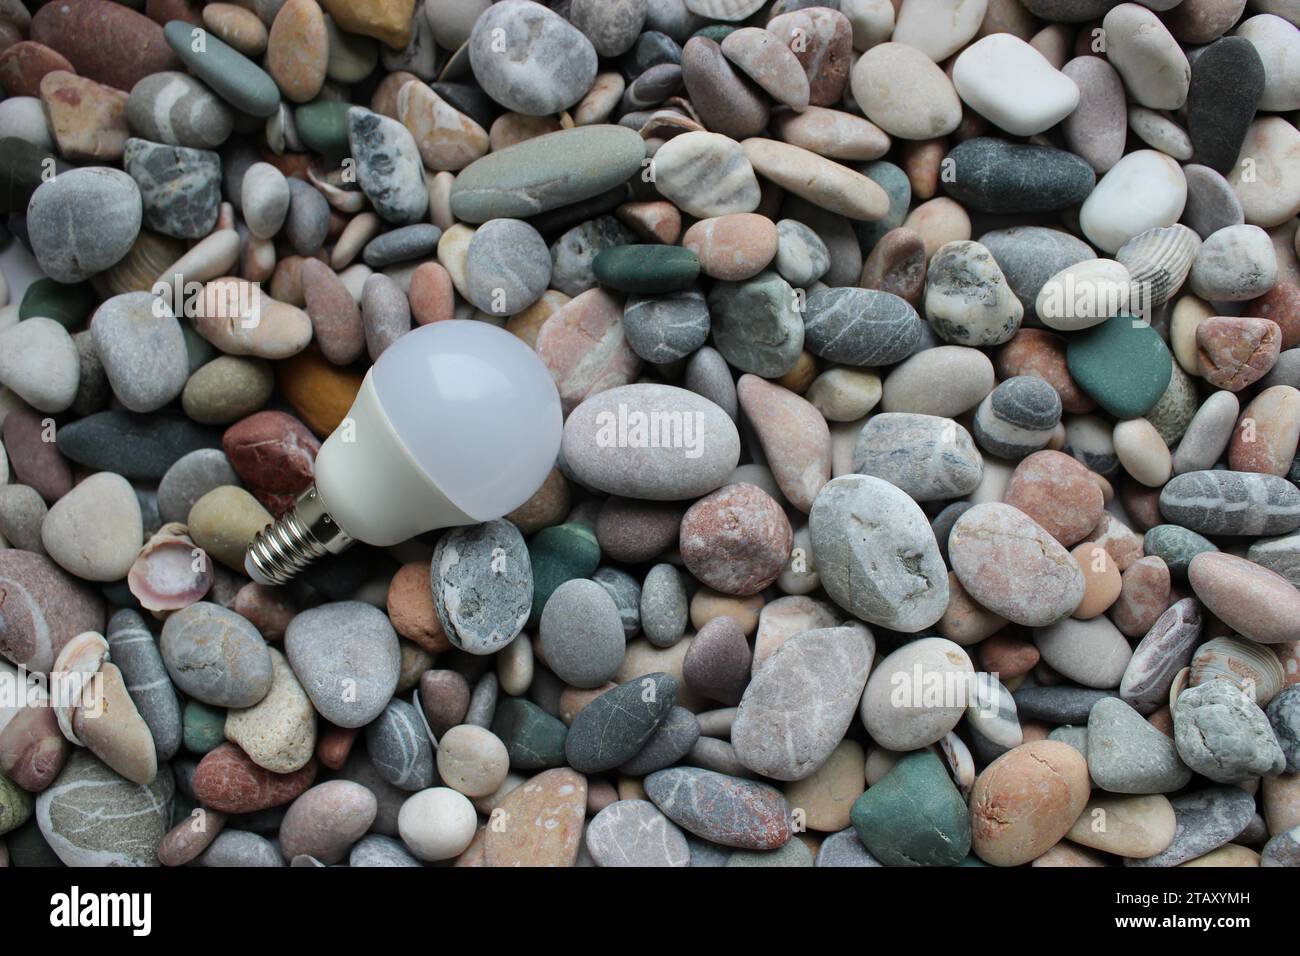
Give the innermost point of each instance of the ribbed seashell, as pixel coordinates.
(79, 660)
(960, 763)
(1159, 260)
(1252, 667)
(665, 124)
(170, 572)
(140, 267)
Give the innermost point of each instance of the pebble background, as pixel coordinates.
(978, 324)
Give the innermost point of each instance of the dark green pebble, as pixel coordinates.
(133, 446)
(533, 738)
(323, 126)
(203, 727)
(915, 816)
(1123, 364)
(646, 269)
(558, 554)
(1176, 546)
(68, 305)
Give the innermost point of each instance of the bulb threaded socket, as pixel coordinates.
(283, 549)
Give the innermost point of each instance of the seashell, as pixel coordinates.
(80, 659)
(1159, 260)
(960, 763)
(137, 271)
(665, 124)
(1179, 685)
(1252, 667)
(170, 572)
(729, 10)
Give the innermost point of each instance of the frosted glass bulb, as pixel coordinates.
(458, 422)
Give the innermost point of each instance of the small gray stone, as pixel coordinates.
(860, 326)
(1128, 755)
(663, 606)
(613, 728)
(707, 374)
(1211, 203)
(482, 585)
(1030, 255)
(1284, 715)
(635, 833)
(626, 592)
(1223, 735)
(801, 701)
(529, 59)
(509, 267)
(1282, 850)
(375, 850)
(1234, 264)
(177, 109)
(264, 199)
(721, 808)
(180, 187)
(665, 328)
(389, 169)
(308, 222)
(612, 26)
(136, 654)
(1231, 503)
(402, 245)
(1206, 820)
(347, 658)
(216, 656)
(581, 634)
(22, 509)
(844, 849)
(574, 252)
(1076, 737)
(190, 478)
(801, 256)
(1018, 417)
(240, 848)
(756, 324)
(929, 457)
(140, 344)
(83, 221)
(876, 554)
(399, 747)
(483, 702)
(671, 741)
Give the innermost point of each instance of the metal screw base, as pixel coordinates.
(282, 550)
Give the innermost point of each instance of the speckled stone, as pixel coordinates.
(634, 833)
(399, 747)
(346, 656)
(720, 808)
(548, 64)
(876, 554)
(1231, 502)
(994, 175)
(482, 585)
(928, 457)
(1222, 734)
(968, 300)
(216, 656)
(180, 187)
(756, 326)
(736, 540)
(1126, 754)
(388, 166)
(1206, 820)
(581, 634)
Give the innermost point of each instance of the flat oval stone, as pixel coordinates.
(1270, 193)
(898, 711)
(105, 41)
(826, 184)
(1231, 502)
(756, 325)
(860, 326)
(346, 657)
(1126, 754)
(1227, 83)
(399, 747)
(1012, 85)
(637, 441)
(83, 221)
(44, 609)
(798, 706)
(533, 738)
(216, 656)
(928, 457)
(727, 102)
(1057, 492)
(646, 269)
(1254, 601)
(581, 634)
(876, 554)
(665, 328)
(721, 809)
(1122, 363)
(1109, 217)
(1018, 417)
(529, 59)
(769, 63)
(905, 93)
(1089, 652)
(1205, 821)
(1012, 566)
(230, 74)
(1165, 650)
(994, 175)
(509, 267)
(615, 726)
(297, 53)
(1096, 131)
(549, 811)
(547, 172)
(326, 820)
(1026, 800)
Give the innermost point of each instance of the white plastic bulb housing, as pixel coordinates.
(458, 422)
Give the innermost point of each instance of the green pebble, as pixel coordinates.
(914, 816)
(558, 554)
(1123, 364)
(717, 32)
(68, 305)
(646, 269)
(1176, 546)
(204, 727)
(533, 738)
(231, 75)
(15, 805)
(794, 853)
(323, 126)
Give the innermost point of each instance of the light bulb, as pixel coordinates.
(457, 423)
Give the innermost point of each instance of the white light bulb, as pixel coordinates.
(458, 422)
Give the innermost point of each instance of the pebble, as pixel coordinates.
(1123, 364)
(581, 634)
(1254, 601)
(665, 328)
(663, 606)
(91, 816)
(1229, 502)
(1109, 219)
(437, 824)
(721, 809)
(104, 41)
(83, 221)
(1135, 827)
(967, 297)
(95, 530)
(584, 347)
(40, 364)
(1027, 800)
(346, 656)
(278, 732)
(793, 435)
(614, 727)
(326, 820)
(915, 816)
(718, 661)
(1284, 717)
(230, 74)
(860, 327)
(736, 540)
(904, 92)
(399, 748)
(1227, 83)
(994, 175)
(533, 738)
(1205, 821)
(509, 267)
(940, 460)
(1012, 85)
(1222, 734)
(388, 166)
(1127, 754)
(472, 760)
(634, 833)
(550, 65)
(1018, 417)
